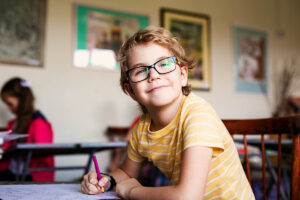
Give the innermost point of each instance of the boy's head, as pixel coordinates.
(158, 36)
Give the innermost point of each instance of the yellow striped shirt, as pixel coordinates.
(195, 124)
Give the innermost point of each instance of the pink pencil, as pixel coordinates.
(98, 171)
(97, 168)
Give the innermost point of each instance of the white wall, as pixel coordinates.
(82, 103)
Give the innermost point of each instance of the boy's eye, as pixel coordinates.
(165, 65)
(140, 71)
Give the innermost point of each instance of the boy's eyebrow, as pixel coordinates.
(143, 64)
(138, 65)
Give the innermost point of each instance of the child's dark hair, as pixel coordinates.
(20, 89)
(161, 37)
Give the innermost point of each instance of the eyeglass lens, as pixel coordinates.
(162, 66)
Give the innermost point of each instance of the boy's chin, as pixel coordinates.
(162, 101)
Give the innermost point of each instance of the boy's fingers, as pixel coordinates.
(93, 180)
(86, 185)
(92, 175)
(83, 185)
(92, 189)
(83, 189)
(103, 181)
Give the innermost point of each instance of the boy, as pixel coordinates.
(179, 132)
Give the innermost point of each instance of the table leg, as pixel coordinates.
(26, 165)
(19, 158)
(88, 163)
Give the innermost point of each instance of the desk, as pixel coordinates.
(40, 150)
(272, 144)
(49, 191)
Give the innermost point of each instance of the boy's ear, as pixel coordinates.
(129, 90)
(184, 75)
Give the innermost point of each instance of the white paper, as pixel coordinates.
(3, 133)
(13, 136)
(49, 191)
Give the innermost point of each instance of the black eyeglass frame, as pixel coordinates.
(149, 67)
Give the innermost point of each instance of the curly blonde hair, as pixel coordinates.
(161, 37)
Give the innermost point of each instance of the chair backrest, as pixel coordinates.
(269, 126)
(116, 132)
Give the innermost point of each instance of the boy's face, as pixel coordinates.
(158, 90)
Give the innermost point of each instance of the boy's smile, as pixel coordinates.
(155, 88)
(159, 90)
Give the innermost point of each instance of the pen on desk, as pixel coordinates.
(98, 171)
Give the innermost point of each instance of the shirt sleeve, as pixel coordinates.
(135, 121)
(133, 153)
(202, 127)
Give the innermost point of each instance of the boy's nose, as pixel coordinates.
(153, 74)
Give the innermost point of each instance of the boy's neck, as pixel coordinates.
(162, 116)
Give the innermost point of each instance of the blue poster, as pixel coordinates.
(250, 60)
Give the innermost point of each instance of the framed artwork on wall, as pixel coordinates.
(99, 33)
(250, 60)
(22, 30)
(193, 33)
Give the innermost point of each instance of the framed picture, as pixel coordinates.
(22, 30)
(192, 30)
(100, 33)
(250, 60)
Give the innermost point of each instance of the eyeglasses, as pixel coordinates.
(163, 66)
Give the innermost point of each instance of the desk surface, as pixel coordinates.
(62, 148)
(271, 144)
(49, 191)
(267, 141)
(29, 151)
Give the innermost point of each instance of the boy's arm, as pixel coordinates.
(129, 169)
(194, 172)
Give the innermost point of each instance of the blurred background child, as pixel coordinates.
(18, 96)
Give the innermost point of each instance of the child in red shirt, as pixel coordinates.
(18, 97)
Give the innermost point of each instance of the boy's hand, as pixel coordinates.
(124, 188)
(91, 185)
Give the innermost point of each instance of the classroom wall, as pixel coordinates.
(81, 103)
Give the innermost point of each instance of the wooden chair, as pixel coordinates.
(282, 125)
(116, 131)
(116, 134)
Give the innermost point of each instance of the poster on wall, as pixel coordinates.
(100, 33)
(250, 60)
(192, 30)
(22, 29)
